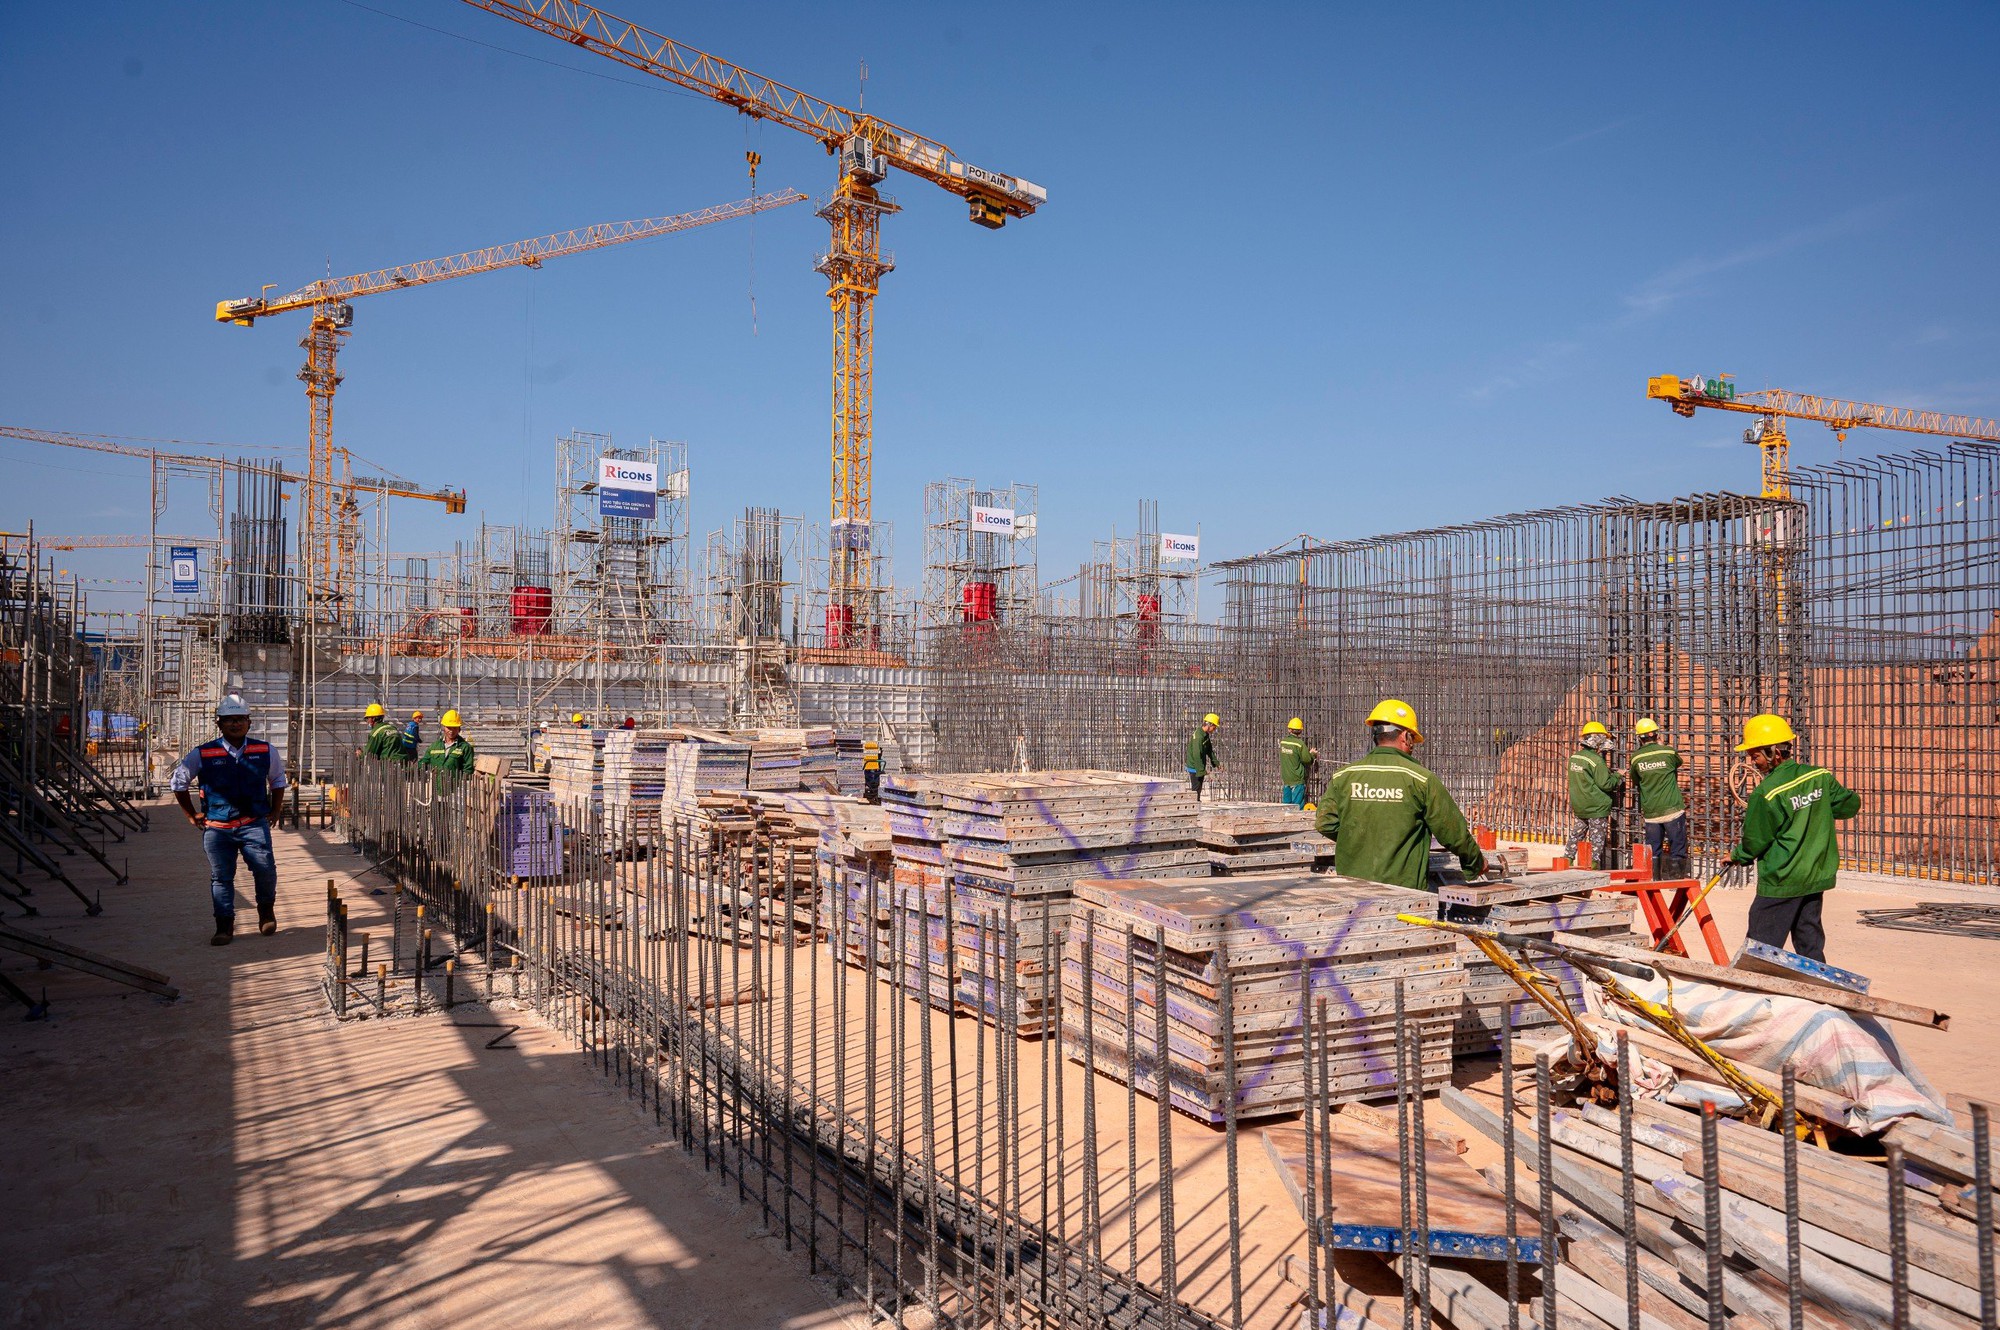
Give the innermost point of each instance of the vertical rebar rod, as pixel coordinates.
(1711, 1216)
(1788, 1123)
(1899, 1241)
(1545, 1183)
(1510, 1198)
(1628, 1182)
(1982, 1200)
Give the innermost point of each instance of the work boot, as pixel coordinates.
(267, 920)
(225, 928)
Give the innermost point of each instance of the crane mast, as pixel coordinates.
(866, 148)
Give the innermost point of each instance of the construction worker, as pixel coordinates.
(450, 755)
(871, 771)
(1592, 787)
(242, 784)
(1295, 759)
(1382, 811)
(1656, 775)
(1199, 756)
(413, 736)
(1788, 834)
(385, 743)
(576, 719)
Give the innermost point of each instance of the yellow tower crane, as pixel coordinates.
(865, 148)
(1774, 406)
(329, 531)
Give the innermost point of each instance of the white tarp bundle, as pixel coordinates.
(1843, 1053)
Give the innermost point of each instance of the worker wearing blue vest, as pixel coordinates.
(242, 782)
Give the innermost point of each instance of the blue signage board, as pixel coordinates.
(640, 504)
(185, 570)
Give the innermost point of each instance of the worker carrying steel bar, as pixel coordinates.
(1592, 787)
(1655, 772)
(1295, 759)
(1199, 755)
(1788, 833)
(450, 754)
(242, 784)
(385, 741)
(1382, 811)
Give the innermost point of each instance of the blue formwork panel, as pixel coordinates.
(1763, 958)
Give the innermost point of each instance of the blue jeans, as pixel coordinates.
(254, 844)
(1672, 835)
(1295, 795)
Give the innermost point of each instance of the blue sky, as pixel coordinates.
(1335, 269)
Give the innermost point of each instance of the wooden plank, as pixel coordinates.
(1689, 968)
(1590, 1185)
(1464, 1302)
(1590, 1275)
(1947, 1291)
(1858, 1235)
(1751, 1292)
(1749, 1230)
(1466, 1217)
(1940, 1149)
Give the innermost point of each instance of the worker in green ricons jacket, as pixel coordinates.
(450, 754)
(1788, 834)
(1382, 811)
(1199, 754)
(385, 741)
(1295, 759)
(1656, 774)
(1592, 787)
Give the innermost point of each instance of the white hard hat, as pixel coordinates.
(232, 706)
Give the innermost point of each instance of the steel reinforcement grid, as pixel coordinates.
(1866, 609)
(948, 1173)
(1905, 652)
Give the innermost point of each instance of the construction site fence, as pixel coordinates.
(949, 1173)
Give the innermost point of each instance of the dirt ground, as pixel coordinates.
(235, 1158)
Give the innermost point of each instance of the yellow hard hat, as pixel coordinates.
(1647, 726)
(374, 710)
(1295, 724)
(1595, 727)
(1390, 711)
(1211, 719)
(449, 719)
(416, 715)
(576, 718)
(1763, 731)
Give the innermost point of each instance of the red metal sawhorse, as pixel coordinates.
(1663, 902)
